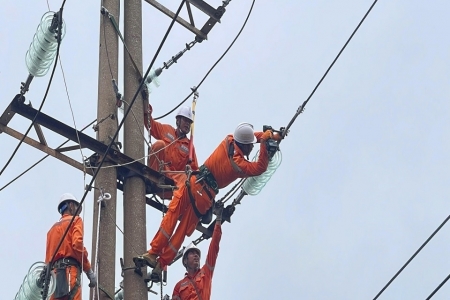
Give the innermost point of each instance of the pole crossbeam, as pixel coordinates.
(127, 166)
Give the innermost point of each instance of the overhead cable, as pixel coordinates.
(439, 287)
(302, 107)
(412, 257)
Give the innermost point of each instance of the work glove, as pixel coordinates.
(92, 278)
(218, 210)
(150, 109)
(267, 135)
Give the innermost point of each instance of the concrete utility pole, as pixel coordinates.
(106, 178)
(135, 241)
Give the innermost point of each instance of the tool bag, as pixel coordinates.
(62, 289)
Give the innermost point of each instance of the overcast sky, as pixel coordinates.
(365, 171)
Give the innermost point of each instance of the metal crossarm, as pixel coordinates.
(126, 165)
(213, 14)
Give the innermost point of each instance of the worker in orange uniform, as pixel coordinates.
(71, 257)
(193, 199)
(197, 282)
(171, 150)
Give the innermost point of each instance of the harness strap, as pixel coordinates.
(192, 199)
(195, 287)
(77, 284)
(65, 262)
(230, 156)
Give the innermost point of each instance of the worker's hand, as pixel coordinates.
(92, 278)
(277, 136)
(218, 209)
(267, 135)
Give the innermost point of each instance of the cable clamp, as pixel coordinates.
(103, 196)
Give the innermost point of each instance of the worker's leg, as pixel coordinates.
(176, 207)
(179, 178)
(169, 252)
(188, 221)
(73, 283)
(156, 155)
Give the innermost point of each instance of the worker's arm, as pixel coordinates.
(213, 250)
(260, 165)
(258, 135)
(157, 130)
(176, 292)
(79, 251)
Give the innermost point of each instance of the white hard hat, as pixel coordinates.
(62, 200)
(186, 112)
(189, 248)
(244, 134)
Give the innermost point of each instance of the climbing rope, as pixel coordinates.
(103, 196)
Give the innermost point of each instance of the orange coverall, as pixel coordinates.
(185, 290)
(164, 244)
(72, 246)
(175, 156)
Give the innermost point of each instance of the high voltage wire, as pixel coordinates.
(412, 257)
(439, 287)
(301, 107)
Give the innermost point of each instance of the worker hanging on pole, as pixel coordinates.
(197, 281)
(71, 257)
(170, 153)
(196, 197)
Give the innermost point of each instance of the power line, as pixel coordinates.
(301, 107)
(439, 287)
(220, 58)
(412, 257)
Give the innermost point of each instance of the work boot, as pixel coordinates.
(145, 259)
(156, 273)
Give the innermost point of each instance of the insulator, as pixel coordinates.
(43, 48)
(32, 286)
(254, 185)
(153, 78)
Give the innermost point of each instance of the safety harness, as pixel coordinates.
(62, 283)
(208, 178)
(230, 148)
(195, 287)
